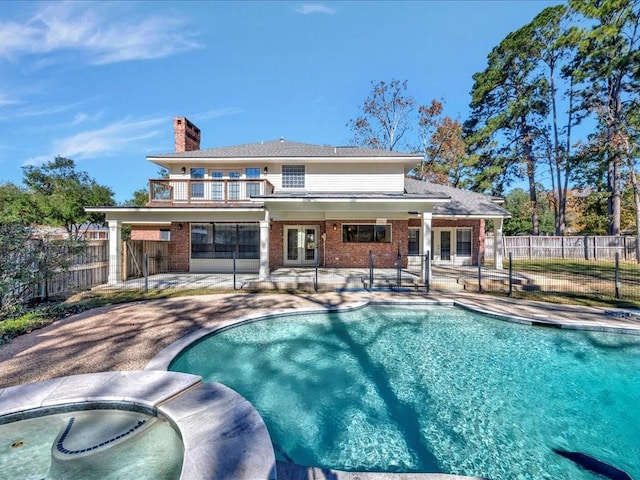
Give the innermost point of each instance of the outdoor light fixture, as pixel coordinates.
(265, 170)
(183, 170)
(179, 226)
(335, 227)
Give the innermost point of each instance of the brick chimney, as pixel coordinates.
(187, 135)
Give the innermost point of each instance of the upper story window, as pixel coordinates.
(293, 176)
(197, 188)
(252, 172)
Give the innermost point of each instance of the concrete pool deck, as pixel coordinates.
(127, 337)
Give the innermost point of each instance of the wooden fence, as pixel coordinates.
(576, 248)
(87, 269)
(133, 258)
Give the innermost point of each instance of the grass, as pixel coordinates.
(580, 282)
(591, 269)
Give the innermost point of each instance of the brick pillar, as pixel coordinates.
(179, 247)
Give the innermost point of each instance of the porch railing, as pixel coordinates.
(187, 191)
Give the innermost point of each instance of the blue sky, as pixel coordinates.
(101, 82)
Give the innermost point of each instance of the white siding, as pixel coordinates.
(333, 177)
(322, 177)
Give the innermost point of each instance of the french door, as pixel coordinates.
(300, 245)
(441, 245)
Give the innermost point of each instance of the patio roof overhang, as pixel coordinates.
(166, 215)
(318, 206)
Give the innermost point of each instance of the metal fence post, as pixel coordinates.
(234, 270)
(510, 273)
(617, 288)
(370, 270)
(145, 270)
(398, 270)
(480, 273)
(315, 282)
(427, 270)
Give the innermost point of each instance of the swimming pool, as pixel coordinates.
(432, 389)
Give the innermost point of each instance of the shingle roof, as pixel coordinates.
(357, 196)
(463, 202)
(284, 148)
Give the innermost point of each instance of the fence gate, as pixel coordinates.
(133, 257)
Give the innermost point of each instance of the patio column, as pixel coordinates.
(425, 240)
(115, 251)
(264, 247)
(498, 251)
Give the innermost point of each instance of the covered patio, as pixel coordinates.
(307, 279)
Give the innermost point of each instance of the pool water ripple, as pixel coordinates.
(432, 389)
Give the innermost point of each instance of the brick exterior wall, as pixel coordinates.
(179, 247)
(339, 254)
(276, 232)
(145, 233)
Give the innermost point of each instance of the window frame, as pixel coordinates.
(294, 176)
(465, 243)
(366, 233)
(245, 241)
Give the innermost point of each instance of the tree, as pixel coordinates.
(386, 116)
(16, 274)
(519, 206)
(14, 204)
(139, 198)
(508, 103)
(59, 193)
(445, 156)
(607, 70)
(555, 46)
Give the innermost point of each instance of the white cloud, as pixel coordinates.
(309, 8)
(41, 111)
(94, 30)
(218, 112)
(82, 117)
(111, 139)
(5, 100)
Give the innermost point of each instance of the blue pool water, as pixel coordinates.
(432, 389)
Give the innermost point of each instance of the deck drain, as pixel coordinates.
(18, 444)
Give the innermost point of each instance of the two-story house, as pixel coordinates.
(279, 203)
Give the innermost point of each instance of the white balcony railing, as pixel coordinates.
(172, 191)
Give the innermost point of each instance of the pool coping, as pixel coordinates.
(286, 471)
(224, 437)
(163, 360)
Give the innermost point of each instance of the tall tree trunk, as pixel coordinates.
(614, 203)
(636, 204)
(557, 156)
(531, 177)
(614, 170)
(566, 162)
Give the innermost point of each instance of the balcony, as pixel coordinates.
(177, 192)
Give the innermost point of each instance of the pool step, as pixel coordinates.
(88, 434)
